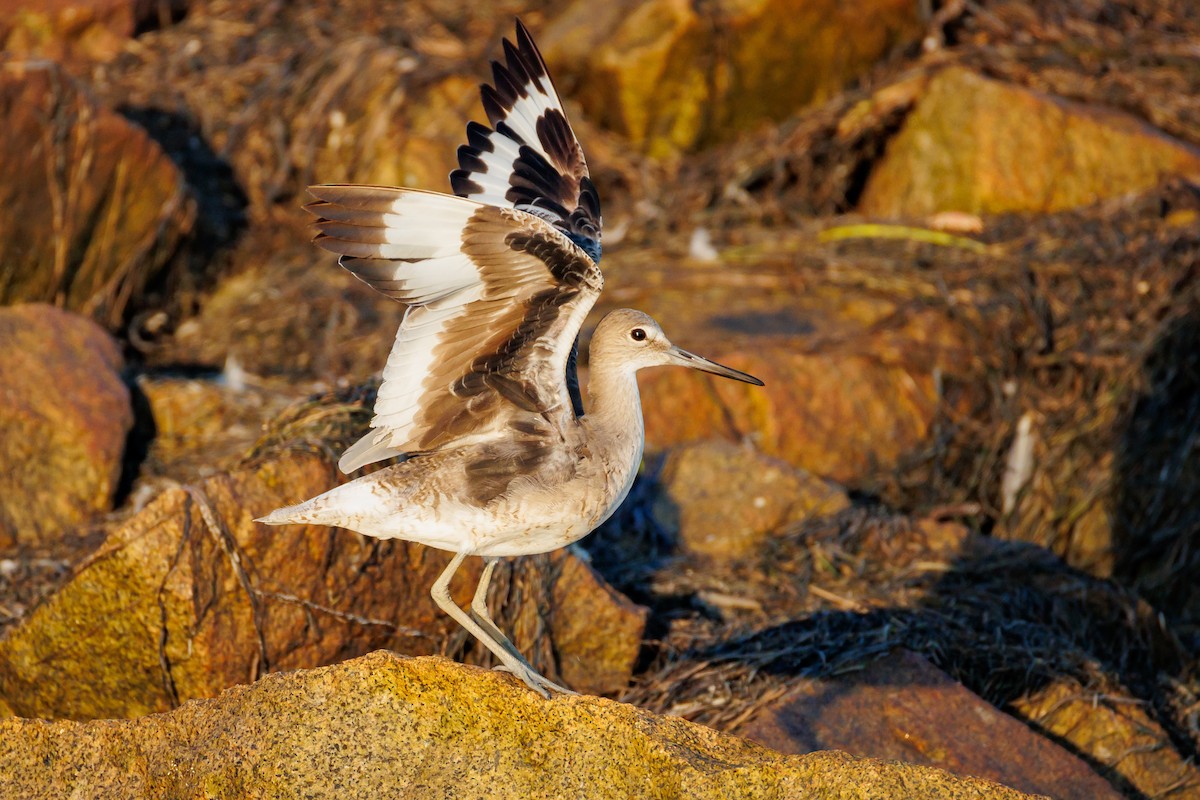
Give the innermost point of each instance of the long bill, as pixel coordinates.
(685, 359)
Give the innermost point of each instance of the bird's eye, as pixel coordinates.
(637, 334)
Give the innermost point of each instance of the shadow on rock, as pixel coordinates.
(1080, 660)
(221, 204)
(1156, 514)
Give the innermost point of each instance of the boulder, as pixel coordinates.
(1116, 732)
(70, 30)
(98, 209)
(203, 426)
(979, 145)
(856, 361)
(402, 128)
(384, 726)
(723, 499)
(64, 417)
(903, 708)
(673, 76)
(190, 596)
(840, 416)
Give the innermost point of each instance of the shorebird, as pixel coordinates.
(480, 400)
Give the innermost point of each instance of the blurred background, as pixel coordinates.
(958, 241)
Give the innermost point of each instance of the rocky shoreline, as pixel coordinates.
(956, 529)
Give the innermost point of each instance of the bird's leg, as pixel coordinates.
(479, 609)
(479, 612)
(518, 667)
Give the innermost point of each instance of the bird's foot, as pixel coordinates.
(531, 678)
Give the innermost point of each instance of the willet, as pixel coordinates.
(479, 396)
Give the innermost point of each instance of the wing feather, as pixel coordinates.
(529, 158)
(498, 280)
(496, 296)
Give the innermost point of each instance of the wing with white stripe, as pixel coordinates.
(496, 298)
(529, 159)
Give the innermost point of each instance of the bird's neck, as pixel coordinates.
(615, 414)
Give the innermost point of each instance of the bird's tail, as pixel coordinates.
(300, 513)
(324, 509)
(347, 505)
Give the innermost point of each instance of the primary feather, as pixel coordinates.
(498, 279)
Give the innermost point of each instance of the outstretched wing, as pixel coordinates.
(496, 298)
(529, 159)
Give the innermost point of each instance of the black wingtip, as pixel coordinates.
(462, 185)
(493, 105)
(468, 159)
(478, 136)
(531, 57)
(522, 32)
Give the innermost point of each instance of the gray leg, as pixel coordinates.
(479, 613)
(517, 666)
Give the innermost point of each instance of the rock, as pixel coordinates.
(68, 30)
(903, 708)
(101, 208)
(30, 574)
(596, 631)
(190, 596)
(202, 426)
(723, 500)
(1114, 731)
(388, 726)
(64, 417)
(402, 128)
(672, 76)
(840, 416)
(855, 373)
(982, 146)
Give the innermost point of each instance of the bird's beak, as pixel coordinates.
(686, 359)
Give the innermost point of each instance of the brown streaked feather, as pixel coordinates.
(513, 370)
(496, 466)
(494, 311)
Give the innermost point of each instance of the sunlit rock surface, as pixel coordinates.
(64, 416)
(388, 726)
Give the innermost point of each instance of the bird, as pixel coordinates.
(479, 401)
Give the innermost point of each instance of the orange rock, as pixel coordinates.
(68, 29)
(1114, 732)
(904, 708)
(978, 145)
(723, 499)
(402, 128)
(837, 415)
(64, 417)
(383, 726)
(190, 596)
(673, 75)
(101, 209)
(852, 371)
(596, 630)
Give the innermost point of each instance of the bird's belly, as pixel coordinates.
(506, 528)
(533, 516)
(564, 515)
(535, 530)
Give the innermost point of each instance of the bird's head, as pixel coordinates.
(634, 340)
